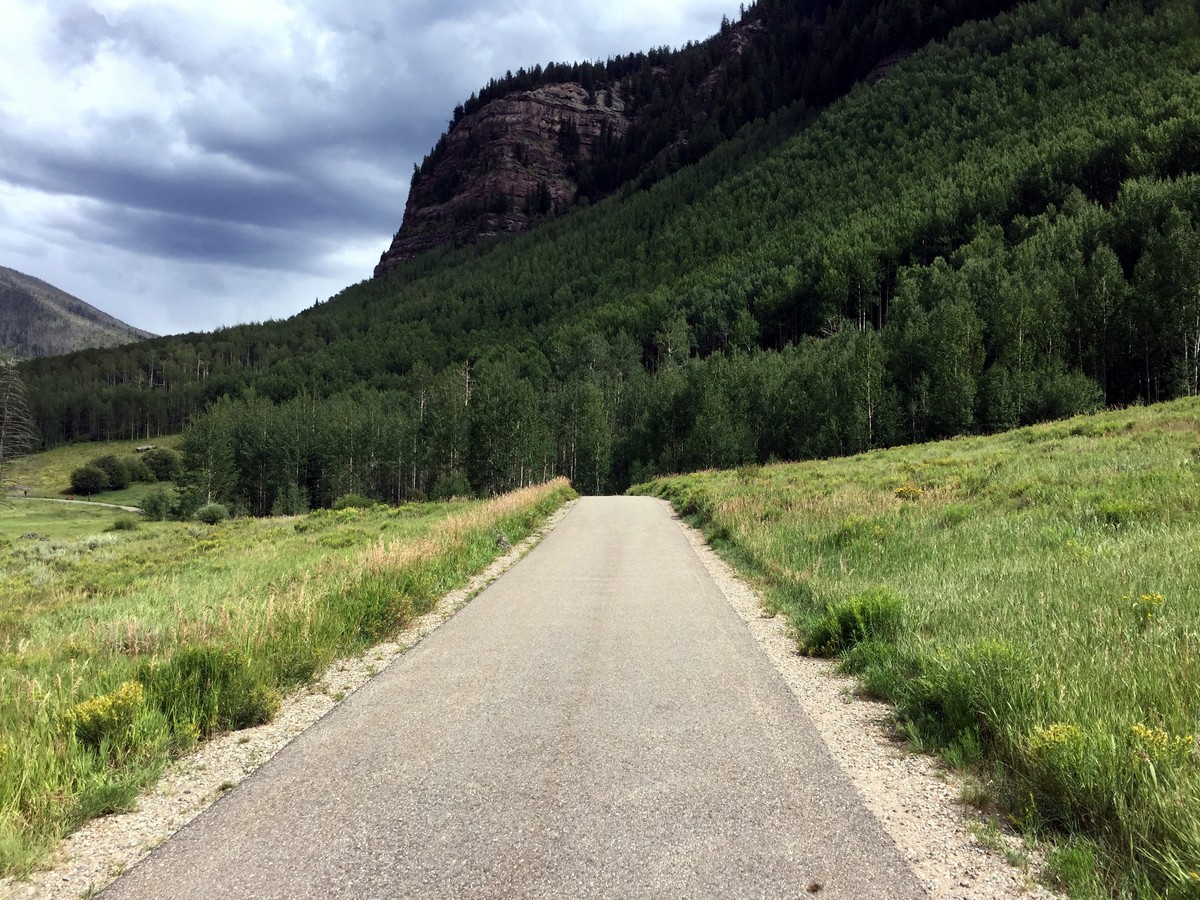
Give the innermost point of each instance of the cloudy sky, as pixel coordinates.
(187, 164)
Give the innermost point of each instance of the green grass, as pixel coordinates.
(132, 495)
(122, 648)
(49, 474)
(60, 521)
(1030, 604)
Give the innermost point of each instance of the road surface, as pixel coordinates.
(132, 509)
(597, 723)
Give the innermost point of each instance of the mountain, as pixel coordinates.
(37, 319)
(532, 145)
(1003, 229)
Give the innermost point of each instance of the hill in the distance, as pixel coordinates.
(37, 319)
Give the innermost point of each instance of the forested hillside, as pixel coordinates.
(1003, 229)
(534, 144)
(38, 319)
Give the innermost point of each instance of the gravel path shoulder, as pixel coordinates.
(105, 848)
(911, 795)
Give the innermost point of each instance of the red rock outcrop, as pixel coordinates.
(503, 164)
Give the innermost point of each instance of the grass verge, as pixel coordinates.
(120, 649)
(1029, 604)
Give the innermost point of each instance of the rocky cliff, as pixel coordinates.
(515, 159)
(532, 152)
(532, 143)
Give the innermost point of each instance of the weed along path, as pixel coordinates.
(598, 722)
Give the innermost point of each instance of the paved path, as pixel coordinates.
(597, 723)
(132, 509)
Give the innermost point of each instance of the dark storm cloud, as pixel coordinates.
(260, 135)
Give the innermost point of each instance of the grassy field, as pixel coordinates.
(49, 474)
(120, 647)
(1030, 603)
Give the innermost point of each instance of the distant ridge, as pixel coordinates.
(38, 319)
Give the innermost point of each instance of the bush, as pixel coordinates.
(449, 488)
(108, 717)
(88, 480)
(212, 513)
(157, 505)
(116, 470)
(353, 501)
(124, 523)
(164, 464)
(137, 470)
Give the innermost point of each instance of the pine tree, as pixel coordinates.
(17, 434)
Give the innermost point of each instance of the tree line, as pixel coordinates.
(1003, 229)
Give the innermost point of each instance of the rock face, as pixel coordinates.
(520, 156)
(497, 169)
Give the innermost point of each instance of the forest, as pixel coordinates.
(1002, 230)
(805, 53)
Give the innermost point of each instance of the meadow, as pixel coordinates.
(124, 642)
(1029, 602)
(48, 474)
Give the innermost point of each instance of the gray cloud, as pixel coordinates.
(192, 164)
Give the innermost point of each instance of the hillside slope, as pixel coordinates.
(531, 145)
(1002, 230)
(37, 319)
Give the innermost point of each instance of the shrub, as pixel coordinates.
(874, 615)
(137, 470)
(447, 488)
(212, 513)
(124, 523)
(108, 717)
(164, 464)
(116, 470)
(353, 501)
(88, 480)
(157, 505)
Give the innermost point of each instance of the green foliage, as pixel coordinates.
(18, 435)
(156, 506)
(212, 513)
(124, 523)
(992, 235)
(449, 487)
(211, 688)
(165, 464)
(290, 500)
(353, 501)
(88, 480)
(109, 718)
(116, 471)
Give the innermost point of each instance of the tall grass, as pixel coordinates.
(1031, 605)
(119, 650)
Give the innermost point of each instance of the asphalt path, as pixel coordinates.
(132, 509)
(597, 723)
